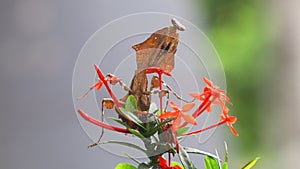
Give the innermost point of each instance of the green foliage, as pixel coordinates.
(242, 34)
(251, 163)
(143, 166)
(174, 163)
(131, 104)
(211, 163)
(214, 163)
(125, 144)
(185, 159)
(158, 127)
(125, 166)
(200, 152)
(182, 130)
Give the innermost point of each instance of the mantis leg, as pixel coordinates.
(108, 103)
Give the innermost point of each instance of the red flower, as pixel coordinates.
(211, 95)
(164, 165)
(179, 113)
(157, 70)
(97, 85)
(104, 80)
(230, 120)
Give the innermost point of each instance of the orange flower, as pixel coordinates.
(157, 70)
(211, 95)
(230, 120)
(104, 80)
(179, 113)
(164, 165)
(160, 72)
(97, 85)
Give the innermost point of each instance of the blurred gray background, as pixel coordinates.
(41, 39)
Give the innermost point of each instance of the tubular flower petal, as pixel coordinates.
(101, 124)
(164, 165)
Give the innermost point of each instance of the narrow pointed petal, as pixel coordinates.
(98, 85)
(162, 162)
(176, 123)
(167, 115)
(197, 96)
(189, 118)
(175, 106)
(208, 82)
(233, 130)
(99, 72)
(188, 106)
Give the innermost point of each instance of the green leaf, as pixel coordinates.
(121, 122)
(132, 117)
(158, 127)
(143, 166)
(226, 152)
(131, 104)
(185, 159)
(182, 130)
(174, 163)
(251, 163)
(137, 133)
(211, 163)
(125, 166)
(196, 151)
(225, 165)
(132, 158)
(125, 144)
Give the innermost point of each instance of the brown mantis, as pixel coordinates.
(156, 51)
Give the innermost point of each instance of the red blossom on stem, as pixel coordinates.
(101, 124)
(105, 80)
(164, 165)
(230, 120)
(159, 71)
(97, 85)
(211, 95)
(179, 114)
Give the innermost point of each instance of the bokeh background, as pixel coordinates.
(40, 40)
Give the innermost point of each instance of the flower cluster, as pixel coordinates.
(167, 126)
